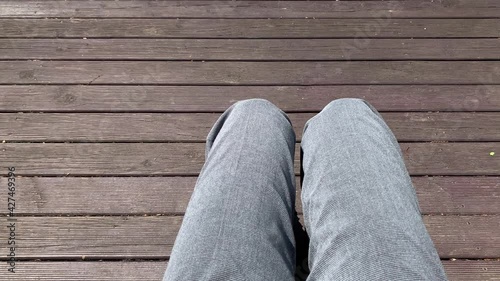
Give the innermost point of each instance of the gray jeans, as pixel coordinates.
(360, 208)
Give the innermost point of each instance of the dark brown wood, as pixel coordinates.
(459, 270)
(152, 237)
(358, 29)
(101, 159)
(88, 271)
(249, 49)
(101, 195)
(251, 9)
(170, 195)
(475, 233)
(431, 56)
(458, 195)
(435, 158)
(184, 127)
(443, 126)
(84, 238)
(49, 159)
(219, 98)
(249, 73)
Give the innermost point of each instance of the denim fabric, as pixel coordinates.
(360, 208)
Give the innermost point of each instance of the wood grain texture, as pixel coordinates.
(152, 237)
(171, 159)
(421, 158)
(359, 29)
(459, 270)
(101, 195)
(219, 98)
(251, 9)
(80, 238)
(455, 230)
(298, 54)
(194, 127)
(458, 195)
(170, 195)
(249, 73)
(250, 49)
(87, 271)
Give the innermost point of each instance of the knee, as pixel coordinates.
(344, 112)
(257, 108)
(353, 105)
(262, 115)
(350, 107)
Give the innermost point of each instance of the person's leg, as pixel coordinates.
(238, 224)
(360, 207)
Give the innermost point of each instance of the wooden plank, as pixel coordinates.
(458, 195)
(101, 195)
(152, 237)
(249, 73)
(476, 232)
(171, 159)
(143, 237)
(435, 159)
(219, 98)
(86, 271)
(459, 270)
(251, 9)
(170, 195)
(443, 126)
(358, 29)
(249, 49)
(194, 127)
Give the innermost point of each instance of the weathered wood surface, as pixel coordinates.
(249, 73)
(458, 195)
(251, 9)
(218, 98)
(152, 237)
(170, 195)
(172, 159)
(162, 71)
(471, 270)
(458, 270)
(101, 271)
(250, 28)
(250, 49)
(194, 127)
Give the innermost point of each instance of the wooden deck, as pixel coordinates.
(105, 105)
